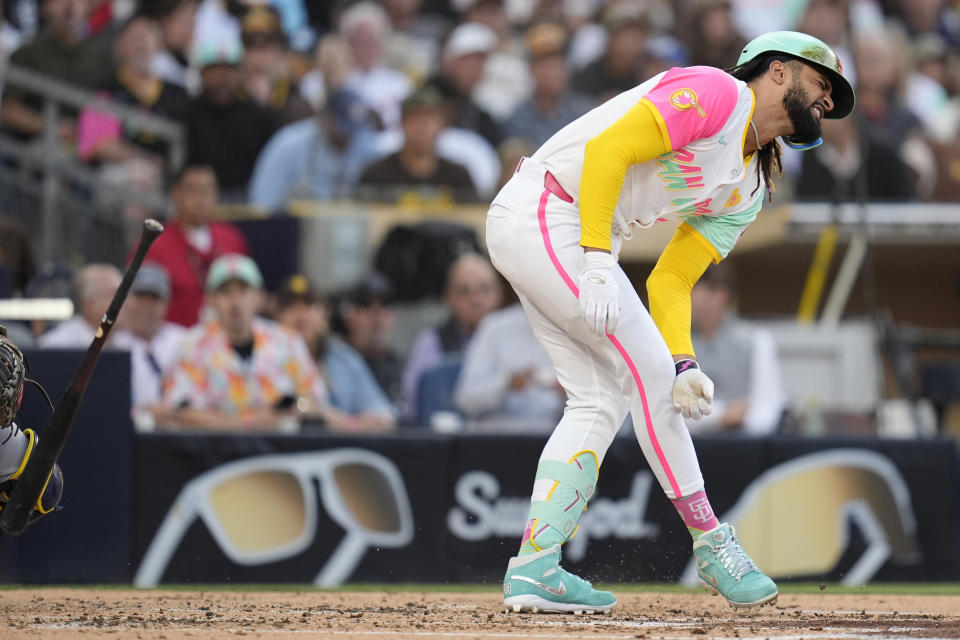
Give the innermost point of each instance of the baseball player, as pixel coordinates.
(17, 444)
(698, 144)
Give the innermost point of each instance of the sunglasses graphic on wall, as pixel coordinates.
(817, 498)
(264, 509)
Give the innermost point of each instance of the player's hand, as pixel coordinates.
(692, 391)
(599, 293)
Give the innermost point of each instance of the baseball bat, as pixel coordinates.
(30, 486)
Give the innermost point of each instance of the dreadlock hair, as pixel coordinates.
(769, 164)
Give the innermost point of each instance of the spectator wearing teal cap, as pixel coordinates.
(238, 371)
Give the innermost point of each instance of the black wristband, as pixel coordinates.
(685, 365)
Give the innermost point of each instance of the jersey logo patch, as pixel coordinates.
(734, 198)
(686, 99)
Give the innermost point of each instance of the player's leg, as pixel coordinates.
(16, 445)
(541, 256)
(593, 414)
(14, 449)
(533, 239)
(566, 476)
(567, 472)
(543, 271)
(647, 379)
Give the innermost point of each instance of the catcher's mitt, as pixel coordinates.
(13, 373)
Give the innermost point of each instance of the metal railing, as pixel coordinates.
(76, 223)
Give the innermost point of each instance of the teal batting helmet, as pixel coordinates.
(809, 50)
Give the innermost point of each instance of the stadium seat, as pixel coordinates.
(941, 381)
(436, 390)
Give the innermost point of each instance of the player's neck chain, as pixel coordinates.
(756, 134)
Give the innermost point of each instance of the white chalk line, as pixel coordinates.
(850, 612)
(826, 633)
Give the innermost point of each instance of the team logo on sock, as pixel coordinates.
(700, 510)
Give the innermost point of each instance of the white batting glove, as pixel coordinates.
(599, 293)
(692, 391)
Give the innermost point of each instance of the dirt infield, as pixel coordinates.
(63, 614)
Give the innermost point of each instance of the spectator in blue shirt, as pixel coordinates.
(471, 292)
(319, 158)
(362, 404)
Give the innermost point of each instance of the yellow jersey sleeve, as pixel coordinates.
(681, 264)
(638, 136)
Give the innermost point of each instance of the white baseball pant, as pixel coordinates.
(533, 237)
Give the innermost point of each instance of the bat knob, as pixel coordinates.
(152, 226)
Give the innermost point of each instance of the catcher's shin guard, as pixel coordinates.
(554, 521)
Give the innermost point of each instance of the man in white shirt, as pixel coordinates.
(507, 382)
(741, 357)
(153, 342)
(92, 290)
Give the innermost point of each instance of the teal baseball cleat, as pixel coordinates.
(536, 583)
(725, 568)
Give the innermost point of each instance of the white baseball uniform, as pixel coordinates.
(534, 240)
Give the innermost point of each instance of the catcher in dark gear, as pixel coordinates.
(16, 445)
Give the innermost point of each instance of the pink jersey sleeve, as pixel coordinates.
(694, 102)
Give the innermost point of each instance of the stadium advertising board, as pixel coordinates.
(425, 508)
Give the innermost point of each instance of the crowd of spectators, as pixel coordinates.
(357, 99)
(365, 98)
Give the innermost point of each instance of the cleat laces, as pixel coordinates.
(576, 578)
(734, 559)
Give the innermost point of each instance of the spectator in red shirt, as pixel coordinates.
(192, 241)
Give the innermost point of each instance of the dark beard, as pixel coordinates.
(806, 128)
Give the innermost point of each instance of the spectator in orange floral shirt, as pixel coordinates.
(240, 371)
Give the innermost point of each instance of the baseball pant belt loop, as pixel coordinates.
(534, 169)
